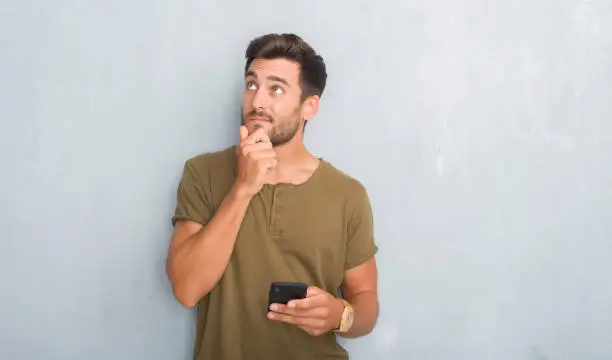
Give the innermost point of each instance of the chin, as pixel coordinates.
(252, 125)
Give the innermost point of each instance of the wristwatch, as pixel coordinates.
(348, 315)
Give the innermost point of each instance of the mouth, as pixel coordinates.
(258, 119)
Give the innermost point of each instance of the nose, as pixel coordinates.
(258, 100)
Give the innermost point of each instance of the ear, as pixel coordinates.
(310, 107)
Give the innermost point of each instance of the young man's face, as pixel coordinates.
(272, 99)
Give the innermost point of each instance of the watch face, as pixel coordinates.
(349, 319)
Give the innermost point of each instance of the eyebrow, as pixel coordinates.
(270, 77)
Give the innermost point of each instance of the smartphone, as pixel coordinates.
(281, 292)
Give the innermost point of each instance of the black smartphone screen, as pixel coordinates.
(282, 292)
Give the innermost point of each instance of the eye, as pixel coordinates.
(250, 85)
(277, 90)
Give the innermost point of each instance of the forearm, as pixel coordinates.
(365, 305)
(196, 265)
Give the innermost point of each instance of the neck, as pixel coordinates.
(292, 154)
(294, 163)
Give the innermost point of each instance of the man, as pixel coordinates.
(267, 210)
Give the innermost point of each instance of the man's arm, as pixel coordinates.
(359, 286)
(202, 243)
(360, 290)
(198, 255)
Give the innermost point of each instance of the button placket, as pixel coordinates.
(276, 212)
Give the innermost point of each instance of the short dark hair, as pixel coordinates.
(313, 74)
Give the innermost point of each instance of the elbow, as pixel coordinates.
(186, 298)
(186, 294)
(187, 304)
(185, 290)
(181, 291)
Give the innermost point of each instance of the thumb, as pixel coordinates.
(244, 133)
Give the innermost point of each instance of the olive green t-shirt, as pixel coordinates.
(308, 233)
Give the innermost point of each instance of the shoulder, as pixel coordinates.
(218, 162)
(339, 181)
(353, 194)
(211, 174)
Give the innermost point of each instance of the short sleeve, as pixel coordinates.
(192, 202)
(360, 243)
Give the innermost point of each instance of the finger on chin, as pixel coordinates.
(244, 132)
(260, 134)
